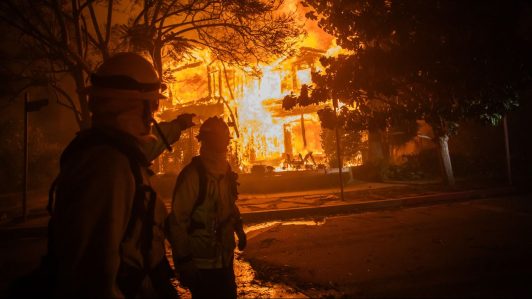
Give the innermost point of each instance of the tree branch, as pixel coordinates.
(77, 31)
(109, 23)
(156, 12)
(71, 106)
(96, 26)
(64, 32)
(197, 27)
(87, 37)
(85, 5)
(169, 28)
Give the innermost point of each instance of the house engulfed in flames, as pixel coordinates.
(264, 136)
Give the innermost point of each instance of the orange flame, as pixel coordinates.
(265, 137)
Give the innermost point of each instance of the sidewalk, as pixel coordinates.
(374, 197)
(358, 197)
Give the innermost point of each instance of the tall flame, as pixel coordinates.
(265, 137)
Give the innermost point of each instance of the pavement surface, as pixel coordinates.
(23, 243)
(467, 249)
(359, 196)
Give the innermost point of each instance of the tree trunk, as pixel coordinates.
(446, 160)
(376, 158)
(375, 153)
(385, 148)
(158, 59)
(85, 119)
(507, 147)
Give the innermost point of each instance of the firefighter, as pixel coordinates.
(106, 233)
(205, 218)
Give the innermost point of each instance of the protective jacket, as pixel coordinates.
(204, 214)
(106, 234)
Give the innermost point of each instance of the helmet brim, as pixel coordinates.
(96, 91)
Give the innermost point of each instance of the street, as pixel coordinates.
(478, 248)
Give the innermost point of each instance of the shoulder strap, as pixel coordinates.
(202, 181)
(196, 164)
(202, 176)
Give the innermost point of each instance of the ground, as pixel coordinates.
(476, 248)
(471, 249)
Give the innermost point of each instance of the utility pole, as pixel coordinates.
(25, 153)
(507, 146)
(28, 107)
(338, 147)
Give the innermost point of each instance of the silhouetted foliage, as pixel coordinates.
(352, 147)
(440, 61)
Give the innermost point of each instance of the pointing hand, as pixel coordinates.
(185, 120)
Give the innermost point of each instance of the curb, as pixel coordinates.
(320, 211)
(360, 207)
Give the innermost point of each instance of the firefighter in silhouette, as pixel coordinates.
(205, 218)
(106, 233)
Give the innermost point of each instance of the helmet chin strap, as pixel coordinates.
(161, 135)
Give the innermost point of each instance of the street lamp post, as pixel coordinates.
(25, 153)
(28, 107)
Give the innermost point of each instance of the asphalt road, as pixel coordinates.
(480, 248)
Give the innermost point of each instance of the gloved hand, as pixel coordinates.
(242, 240)
(185, 120)
(189, 276)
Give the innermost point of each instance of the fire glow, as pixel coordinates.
(250, 100)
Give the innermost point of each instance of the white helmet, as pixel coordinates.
(126, 76)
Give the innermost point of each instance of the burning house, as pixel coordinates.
(264, 135)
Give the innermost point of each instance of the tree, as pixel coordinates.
(352, 146)
(61, 39)
(378, 117)
(439, 61)
(70, 38)
(237, 32)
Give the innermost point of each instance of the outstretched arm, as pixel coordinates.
(171, 132)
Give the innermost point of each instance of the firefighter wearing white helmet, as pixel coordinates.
(124, 84)
(107, 227)
(205, 217)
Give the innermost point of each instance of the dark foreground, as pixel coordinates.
(480, 248)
